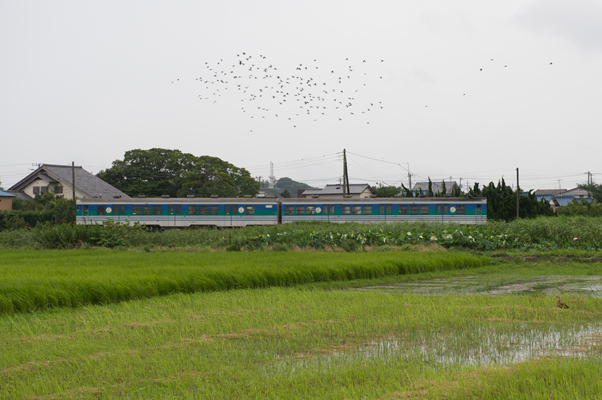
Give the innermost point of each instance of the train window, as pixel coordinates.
(136, 210)
(122, 210)
(438, 208)
(403, 209)
(156, 210)
(202, 210)
(389, 209)
(300, 210)
(446, 209)
(414, 210)
(289, 210)
(311, 210)
(381, 209)
(324, 210)
(367, 210)
(192, 210)
(85, 209)
(146, 210)
(332, 210)
(212, 210)
(250, 210)
(115, 210)
(357, 210)
(227, 210)
(101, 210)
(424, 210)
(461, 210)
(478, 209)
(346, 210)
(171, 210)
(234, 209)
(79, 208)
(178, 210)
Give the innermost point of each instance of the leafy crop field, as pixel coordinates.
(301, 343)
(541, 234)
(39, 280)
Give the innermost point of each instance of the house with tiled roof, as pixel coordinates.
(577, 192)
(336, 191)
(58, 179)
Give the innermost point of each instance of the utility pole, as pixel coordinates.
(517, 194)
(345, 174)
(409, 177)
(73, 179)
(590, 181)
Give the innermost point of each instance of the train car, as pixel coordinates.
(463, 210)
(180, 212)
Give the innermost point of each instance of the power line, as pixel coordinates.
(376, 159)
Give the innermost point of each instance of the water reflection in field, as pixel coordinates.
(554, 284)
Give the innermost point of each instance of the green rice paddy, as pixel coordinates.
(308, 341)
(39, 280)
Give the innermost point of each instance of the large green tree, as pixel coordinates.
(158, 172)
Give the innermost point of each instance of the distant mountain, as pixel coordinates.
(290, 185)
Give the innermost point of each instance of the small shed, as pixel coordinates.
(6, 201)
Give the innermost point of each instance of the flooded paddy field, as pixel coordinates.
(492, 285)
(489, 332)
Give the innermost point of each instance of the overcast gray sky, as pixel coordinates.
(470, 89)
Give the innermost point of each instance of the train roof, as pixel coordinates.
(384, 200)
(264, 200)
(178, 200)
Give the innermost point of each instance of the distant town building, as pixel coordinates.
(58, 179)
(336, 191)
(553, 192)
(268, 193)
(437, 187)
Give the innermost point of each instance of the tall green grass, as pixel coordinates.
(39, 280)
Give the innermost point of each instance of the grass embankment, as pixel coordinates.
(288, 343)
(38, 280)
(541, 234)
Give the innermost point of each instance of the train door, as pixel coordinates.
(228, 214)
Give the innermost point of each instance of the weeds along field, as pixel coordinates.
(541, 234)
(294, 343)
(37, 280)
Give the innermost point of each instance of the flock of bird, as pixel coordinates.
(300, 93)
(303, 92)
